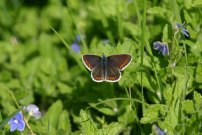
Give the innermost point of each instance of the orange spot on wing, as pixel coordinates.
(112, 78)
(97, 78)
(124, 63)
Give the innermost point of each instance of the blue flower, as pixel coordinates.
(158, 130)
(183, 30)
(33, 110)
(17, 122)
(75, 47)
(162, 47)
(78, 38)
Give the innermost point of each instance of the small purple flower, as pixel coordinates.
(186, 33)
(162, 47)
(159, 131)
(17, 122)
(183, 30)
(78, 38)
(75, 47)
(33, 110)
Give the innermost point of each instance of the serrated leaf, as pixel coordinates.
(197, 101)
(188, 106)
(199, 73)
(128, 117)
(64, 123)
(168, 94)
(197, 3)
(170, 122)
(108, 7)
(112, 129)
(158, 11)
(88, 126)
(165, 34)
(152, 113)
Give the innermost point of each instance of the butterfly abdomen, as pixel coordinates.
(104, 66)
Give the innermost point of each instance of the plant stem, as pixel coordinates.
(11, 93)
(143, 26)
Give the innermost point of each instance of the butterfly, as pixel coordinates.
(106, 68)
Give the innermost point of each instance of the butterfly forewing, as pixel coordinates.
(120, 61)
(97, 73)
(91, 61)
(112, 73)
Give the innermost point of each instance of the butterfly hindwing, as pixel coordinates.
(113, 74)
(97, 73)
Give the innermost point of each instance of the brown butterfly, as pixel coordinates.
(106, 68)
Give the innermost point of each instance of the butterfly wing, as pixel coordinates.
(120, 61)
(112, 73)
(97, 73)
(91, 61)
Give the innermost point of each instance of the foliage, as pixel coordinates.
(38, 66)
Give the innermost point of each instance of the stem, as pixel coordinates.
(115, 99)
(186, 72)
(12, 95)
(143, 26)
(29, 127)
(128, 92)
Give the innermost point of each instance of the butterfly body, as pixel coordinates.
(106, 68)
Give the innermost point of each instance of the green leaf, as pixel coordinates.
(108, 7)
(88, 126)
(131, 28)
(112, 129)
(64, 122)
(64, 88)
(168, 94)
(165, 34)
(159, 11)
(152, 113)
(51, 119)
(169, 123)
(148, 80)
(0, 117)
(29, 21)
(128, 117)
(197, 3)
(105, 108)
(188, 106)
(199, 73)
(198, 101)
